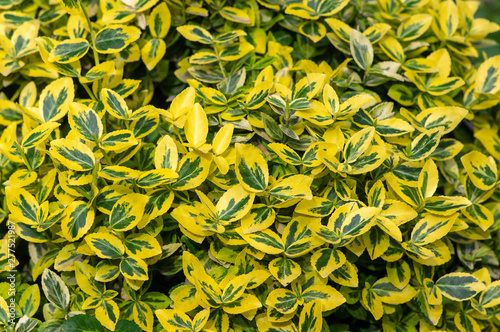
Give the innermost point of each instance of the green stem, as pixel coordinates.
(266, 199)
(16, 94)
(1, 178)
(104, 183)
(213, 15)
(219, 60)
(285, 139)
(106, 157)
(90, 93)
(81, 191)
(134, 186)
(92, 35)
(94, 174)
(23, 155)
(96, 140)
(104, 127)
(287, 109)
(178, 134)
(176, 194)
(287, 118)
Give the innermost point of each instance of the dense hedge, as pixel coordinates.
(269, 165)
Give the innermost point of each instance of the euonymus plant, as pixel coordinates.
(248, 165)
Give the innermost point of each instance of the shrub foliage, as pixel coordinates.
(269, 165)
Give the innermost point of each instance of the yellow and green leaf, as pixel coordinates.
(308, 86)
(115, 38)
(466, 323)
(55, 99)
(398, 273)
(142, 246)
(313, 30)
(235, 52)
(292, 187)
(55, 289)
(257, 219)
(69, 51)
(388, 293)
(328, 296)
(446, 205)
(298, 238)
(22, 205)
(393, 49)
(196, 126)
(134, 268)
(235, 288)
(285, 270)
(159, 21)
(490, 296)
(127, 212)
(166, 155)
(192, 170)
(479, 215)
(482, 170)
(196, 34)
(358, 144)
(114, 104)
(72, 154)
(118, 140)
(153, 52)
(361, 49)
(30, 300)
(156, 177)
(316, 207)
(286, 153)
(283, 300)
(423, 145)
(488, 76)
(414, 27)
(266, 241)
(372, 302)
(431, 228)
(251, 168)
(85, 122)
(428, 179)
(234, 204)
(235, 15)
(99, 71)
(78, 220)
(105, 245)
(310, 317)
(108, 313)
(257, 96)
(174, 320)
(358, 222)
(459, 286)
(115, 173)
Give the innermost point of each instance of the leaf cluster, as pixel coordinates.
(250, 165)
